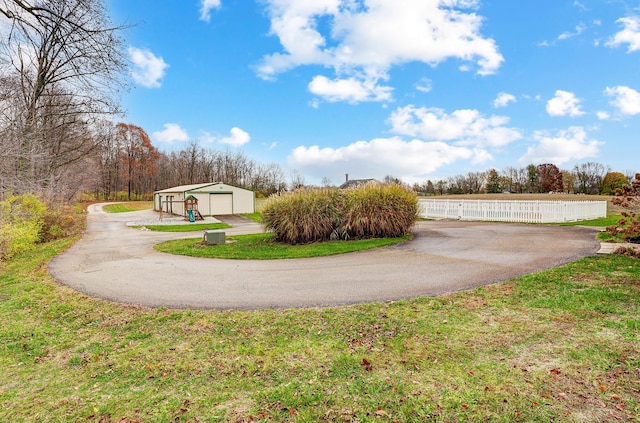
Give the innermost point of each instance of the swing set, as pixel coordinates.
(191, 212)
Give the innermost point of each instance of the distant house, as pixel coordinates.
(215, 198)
(355, 183)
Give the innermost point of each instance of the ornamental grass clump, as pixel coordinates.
(379, 211)
(313, 215)
(304, 216)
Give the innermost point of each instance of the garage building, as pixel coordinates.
(214, 199)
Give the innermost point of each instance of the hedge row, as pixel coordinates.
(321, 214)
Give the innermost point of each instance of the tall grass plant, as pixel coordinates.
(321, 214)
(304, 216)
(379, 210)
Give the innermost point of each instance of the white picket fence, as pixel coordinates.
(513, 211)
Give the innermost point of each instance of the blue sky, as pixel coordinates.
(417, 89)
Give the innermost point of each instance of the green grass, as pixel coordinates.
(256, 217)
(263, 247)
(192, 227)
(128, 207)
(610, 220)
(561, 345)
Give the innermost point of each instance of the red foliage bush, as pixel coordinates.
(628, 227)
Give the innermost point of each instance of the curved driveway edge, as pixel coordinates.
(118, 263)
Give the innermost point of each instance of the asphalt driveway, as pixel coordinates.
(118, 263)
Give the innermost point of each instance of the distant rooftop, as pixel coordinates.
(355, 183)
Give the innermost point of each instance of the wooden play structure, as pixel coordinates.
(191, 212)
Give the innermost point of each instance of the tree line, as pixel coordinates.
(130, 167)
(586, 178)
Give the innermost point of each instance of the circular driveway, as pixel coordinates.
(118, 263)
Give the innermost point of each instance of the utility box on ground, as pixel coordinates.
(214, 237)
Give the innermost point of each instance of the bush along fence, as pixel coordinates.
(513, 211)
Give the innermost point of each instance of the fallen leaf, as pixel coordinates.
(366, 364)
(555, 371)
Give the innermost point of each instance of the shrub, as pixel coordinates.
(628, 251)
(628, 227)
(379, 211)
(304, 215)
(21, 218)
(58, 222)
(25, 221)
(370, 211)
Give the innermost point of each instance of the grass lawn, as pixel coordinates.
(610, 220)
(263, 247)
(256, 217)
(128, 207)
(561, 345)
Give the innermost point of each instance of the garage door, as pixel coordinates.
(221, 204)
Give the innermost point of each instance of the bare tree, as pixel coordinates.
(297, 180)
(589, 177)
(63, 64)
(517, 179)
(629, 174)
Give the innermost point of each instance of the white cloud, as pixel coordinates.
(350, 90)
(428, 31)
(148, 68)
(380, 157)
(578, 30)
(236, 138)
(503, 100)
(629, 35)
(564, 104)
(580, 6)
(424, 85)
(172, 132)
(567, 145)
(437, 139)
(205, 9)
(626, 99)
(464, 127)
(603, 115)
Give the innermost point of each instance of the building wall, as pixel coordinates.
(242, 200)
(169, 202)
